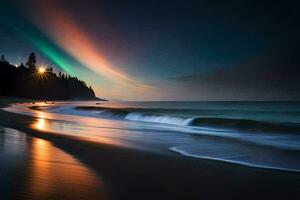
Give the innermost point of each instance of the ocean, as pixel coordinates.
(257, 134)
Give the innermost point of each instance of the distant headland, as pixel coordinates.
(41, 83)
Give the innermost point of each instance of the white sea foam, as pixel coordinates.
(134, 116)
(274, 163)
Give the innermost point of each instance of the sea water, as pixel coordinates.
(259, 134)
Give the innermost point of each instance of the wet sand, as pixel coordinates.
(32, 168)
(131, 174)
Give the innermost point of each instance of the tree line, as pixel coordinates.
(29, 81)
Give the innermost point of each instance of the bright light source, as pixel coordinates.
(42, 70)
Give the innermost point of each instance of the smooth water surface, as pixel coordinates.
(259, 134)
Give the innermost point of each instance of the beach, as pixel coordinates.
(135, 173)
(149, 100)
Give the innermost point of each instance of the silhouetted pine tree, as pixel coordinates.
(31, 61)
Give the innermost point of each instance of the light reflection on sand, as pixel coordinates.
(47, 172)
(73, 129)
(85, 128)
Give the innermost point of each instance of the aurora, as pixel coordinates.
(74, 54)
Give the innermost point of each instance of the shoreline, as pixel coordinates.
(134, 174)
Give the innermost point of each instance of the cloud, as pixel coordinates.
(270, 77)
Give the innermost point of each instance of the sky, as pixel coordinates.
(162, 50)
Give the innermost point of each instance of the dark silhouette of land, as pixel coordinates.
(30, 81)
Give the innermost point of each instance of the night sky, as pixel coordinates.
(162, 50)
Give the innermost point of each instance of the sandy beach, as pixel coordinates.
(32, 168)
(127, 173)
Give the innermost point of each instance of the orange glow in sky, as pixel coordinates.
(76, 43)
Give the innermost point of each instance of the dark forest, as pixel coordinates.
(30, 81)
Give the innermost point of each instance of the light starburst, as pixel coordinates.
(41, 73)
